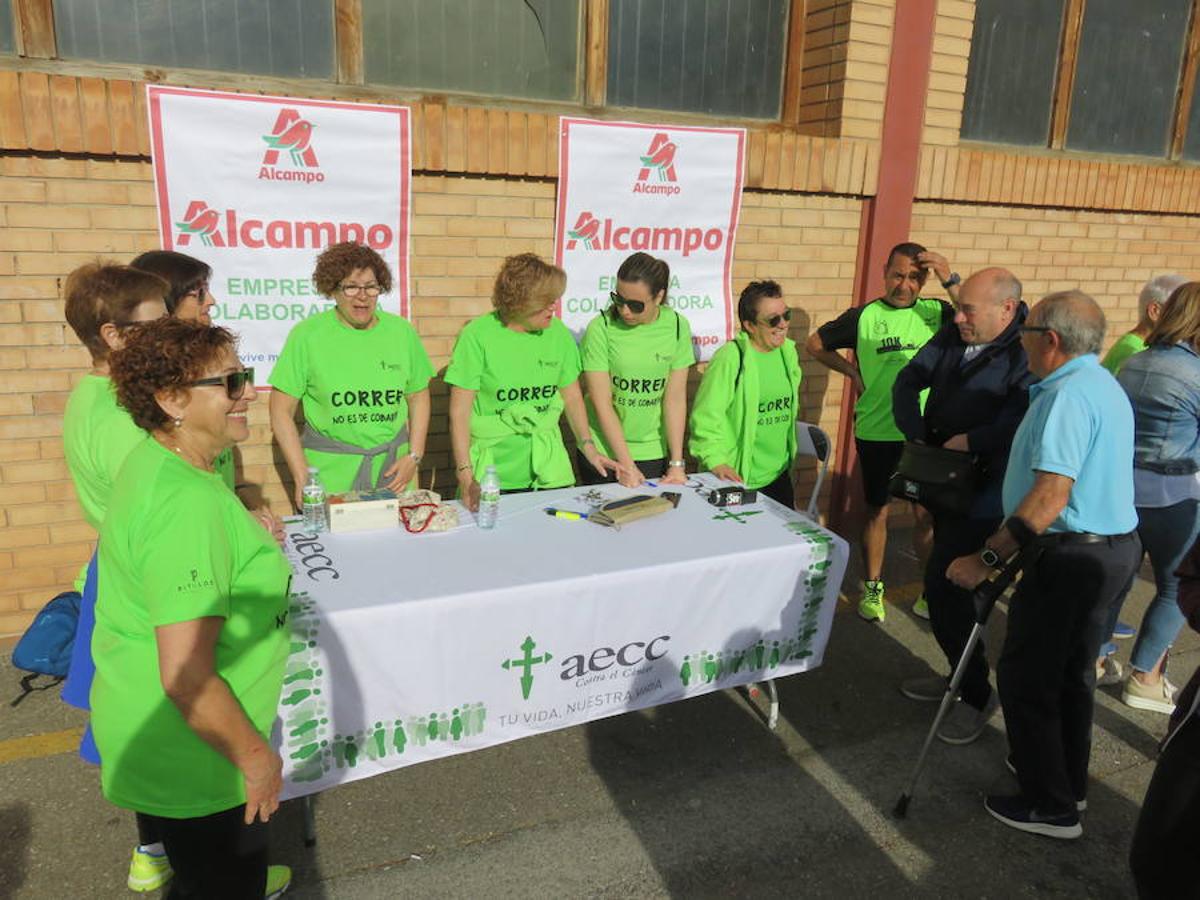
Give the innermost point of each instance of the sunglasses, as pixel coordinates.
(774, 321)
(635, 306)
(233, 382)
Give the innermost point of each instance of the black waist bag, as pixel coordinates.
(940, 480)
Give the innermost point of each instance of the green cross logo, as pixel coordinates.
(526, 664)
(739, 517)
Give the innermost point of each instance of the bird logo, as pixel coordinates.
(660, 159)
(292, 135)
(201, 221)
(587, 229)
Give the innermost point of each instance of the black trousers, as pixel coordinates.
(651, 468)
(218, 856)
(1047, 669)
(1165, 839)
(780, 490)
(951, 611)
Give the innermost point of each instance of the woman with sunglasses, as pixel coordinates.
(744, 420)
(189, 298)
(191, 631)
(362, 376)
(512, 374)
(636, 358)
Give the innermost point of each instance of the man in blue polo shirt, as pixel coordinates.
(1069, 489)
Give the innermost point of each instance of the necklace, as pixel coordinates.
(179, 451)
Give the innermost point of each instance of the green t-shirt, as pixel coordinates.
(97, 437)
(639, 360)
(1126, 345)
(353, 385)
(177, 546)
(884, 338)
(224, 466)
(775, 418)
(504, 368)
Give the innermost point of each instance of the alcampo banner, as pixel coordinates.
(257, 186)
(673, 192)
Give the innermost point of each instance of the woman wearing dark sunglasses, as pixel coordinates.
(191, 637)
(635, 358)
(744, 420)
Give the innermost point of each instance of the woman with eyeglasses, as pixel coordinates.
(191, 629)
(744, 419)
(636, 357)
(513, 373)
(362, 376)
(189, 298)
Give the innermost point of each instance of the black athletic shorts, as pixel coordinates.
(878, 461)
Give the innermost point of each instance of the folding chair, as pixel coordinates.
(810, 441)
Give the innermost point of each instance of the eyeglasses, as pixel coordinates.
(357, 290)
(635, 306)
(1034, 328)
(233, 382)
(774, 321)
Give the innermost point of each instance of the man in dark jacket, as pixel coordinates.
(978, 380)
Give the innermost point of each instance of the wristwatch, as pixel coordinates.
(990, 558)
(416, 457)
(950, 282)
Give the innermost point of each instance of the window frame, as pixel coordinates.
(33, 24)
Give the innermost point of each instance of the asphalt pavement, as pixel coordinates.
(694, 799)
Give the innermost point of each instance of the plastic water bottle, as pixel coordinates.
(489, 499)
(316, 516)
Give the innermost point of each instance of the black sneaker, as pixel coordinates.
(1080, 805)
(1016, 812)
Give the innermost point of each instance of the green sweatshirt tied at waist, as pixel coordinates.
(549, 461)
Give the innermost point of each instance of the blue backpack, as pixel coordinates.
(45, 647)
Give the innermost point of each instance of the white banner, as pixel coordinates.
(673, 192)
(257, 186)
(407, 648)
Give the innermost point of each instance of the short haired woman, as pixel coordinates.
(512, 374)
(744, 420)
(191, 631)
(362, 376)
(636, 357)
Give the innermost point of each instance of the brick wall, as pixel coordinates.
(948, 71)
(1108, 255)
(58, 213)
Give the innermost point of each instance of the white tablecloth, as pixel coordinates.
(408, 648)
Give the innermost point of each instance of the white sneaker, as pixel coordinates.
(1154, 697)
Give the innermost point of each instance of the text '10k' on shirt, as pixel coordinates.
(506, 368)
(178, 546)
(639, 360)
(353, 384)
(775, 418)
(884, 338)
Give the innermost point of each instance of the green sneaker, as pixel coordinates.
(921, 608)
(279, 879)
(870, 607)
(148, 871)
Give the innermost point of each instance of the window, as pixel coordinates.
(1126, 76)
(290, 38)
(7, 42)
(721, 57)
(514, 48)
(1010, 77)
(1092, 75)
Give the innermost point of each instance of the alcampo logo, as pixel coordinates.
(603, 234)
(658, 160)
(525, 663)
(229, 228)
(292, 134)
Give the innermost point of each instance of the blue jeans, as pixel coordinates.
(1167, 534)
